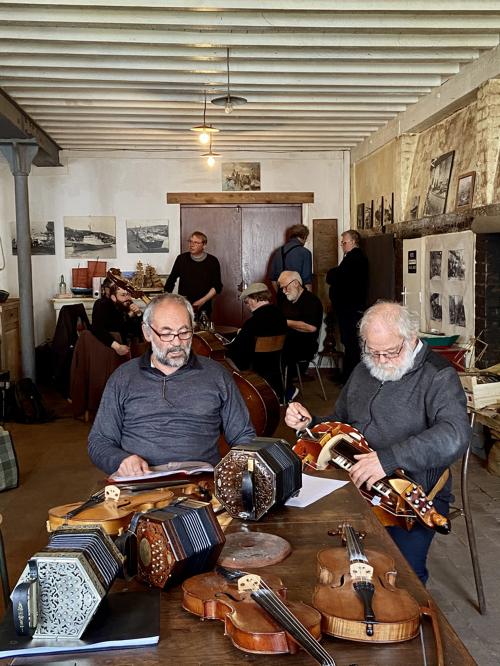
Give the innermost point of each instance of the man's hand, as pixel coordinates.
(368, 469)
(132, 466)
(134, 310)
(197, 304)
(297, 416)
(121, 350)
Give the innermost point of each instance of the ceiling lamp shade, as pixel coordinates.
(210, 155)
(228, 101)
(205, 131)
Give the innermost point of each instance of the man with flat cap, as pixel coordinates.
(266, 320)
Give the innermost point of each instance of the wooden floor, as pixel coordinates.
(55, 469)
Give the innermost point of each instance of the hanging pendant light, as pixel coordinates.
(228, 101)
(210, 155)
(205, 131)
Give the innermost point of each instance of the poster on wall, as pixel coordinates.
(90, 236)
(42, 238)
(240, 176)
(449, 289)
(437, 194)
(369, 215)
(147, 236)
(412, 261)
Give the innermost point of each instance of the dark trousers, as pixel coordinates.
(348, 326)
(415, 544)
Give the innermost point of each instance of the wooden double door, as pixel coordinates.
(243, 238)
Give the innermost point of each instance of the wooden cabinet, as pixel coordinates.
(10, 343)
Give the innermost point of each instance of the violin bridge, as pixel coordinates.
(361, 570)
(112, 493)
(249, 583)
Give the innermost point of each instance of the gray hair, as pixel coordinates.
(290, 276)
(173, 298)
(395, 317)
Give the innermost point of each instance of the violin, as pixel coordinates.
(255, 614)
(261, 401)
(396, 500)
(357, 596)
(110, 508)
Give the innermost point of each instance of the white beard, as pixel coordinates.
(162, 357)
(387, 372)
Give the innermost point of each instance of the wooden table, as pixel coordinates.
(185, 639)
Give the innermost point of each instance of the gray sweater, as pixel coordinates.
(170, 418)
(418, 424)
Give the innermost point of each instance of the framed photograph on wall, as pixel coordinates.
(360, 216)
(465, 190)
(437, 194)
(414, 207)
(240, 176)
(378, 213)
(369, 215)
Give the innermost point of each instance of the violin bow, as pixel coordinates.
(265, 597)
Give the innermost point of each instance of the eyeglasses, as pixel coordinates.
(389, 354)
(285, 286)
(192, 242)
(169, 337)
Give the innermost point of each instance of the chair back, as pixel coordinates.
(269, 343)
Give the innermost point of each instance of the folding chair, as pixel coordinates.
(465, 512)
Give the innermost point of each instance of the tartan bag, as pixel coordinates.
(9, 469)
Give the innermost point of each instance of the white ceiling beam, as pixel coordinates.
(382, 39)
(302, 80)
(462, 6)
(241, 54)
(255, 67)
(260, 18)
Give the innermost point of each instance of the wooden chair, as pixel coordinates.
(267, 360)
(314, 363)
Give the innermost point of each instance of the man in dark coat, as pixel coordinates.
(348, 290)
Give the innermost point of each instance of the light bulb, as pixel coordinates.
(228, 107)
(204, 138)
(211, 160)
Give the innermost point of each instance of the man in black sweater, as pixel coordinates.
(116, 320)
(348, 291)
(198, 273)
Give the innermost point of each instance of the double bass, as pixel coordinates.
(261, 401)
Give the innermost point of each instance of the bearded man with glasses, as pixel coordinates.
(169, 405)
(409, 404)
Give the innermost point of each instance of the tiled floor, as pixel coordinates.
(55, 469)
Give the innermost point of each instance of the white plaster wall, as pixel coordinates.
(132, 185)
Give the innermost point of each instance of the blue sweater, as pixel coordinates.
(170, 418)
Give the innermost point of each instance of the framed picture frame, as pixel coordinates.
(369, 215)
(437, 194)
(465, 190)
(360, 216)
(240, 176)
(378, 213)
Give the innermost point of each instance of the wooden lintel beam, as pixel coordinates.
(240, 197)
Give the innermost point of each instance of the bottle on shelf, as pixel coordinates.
(62, 286)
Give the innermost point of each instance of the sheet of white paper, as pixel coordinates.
(313, 489)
